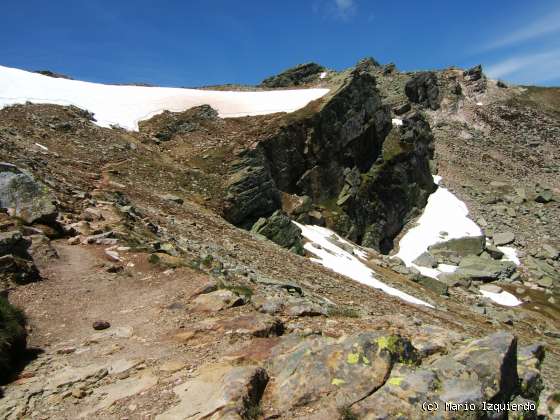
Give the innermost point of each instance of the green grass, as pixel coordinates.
(12, 337)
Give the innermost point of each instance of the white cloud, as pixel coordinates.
(344, 9)
(528, 68)
(344, 5)
(540, 27)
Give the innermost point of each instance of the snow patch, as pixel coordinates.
(444, 212)
(125, 106)
(396, 122)
(510, 254)
(323, 245)
(323, 75)
(503, 298)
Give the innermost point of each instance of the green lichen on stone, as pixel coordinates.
(338, 382)
(396, 381)
(353, 358)
(387, 343)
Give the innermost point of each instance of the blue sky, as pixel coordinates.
(199, 42)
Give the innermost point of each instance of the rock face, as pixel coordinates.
(295, 76)
(24, 197)
(423, 89)
(366, 178)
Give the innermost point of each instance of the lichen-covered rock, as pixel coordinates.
(24, 197)
(346, 370)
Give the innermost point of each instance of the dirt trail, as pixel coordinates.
(82, 371)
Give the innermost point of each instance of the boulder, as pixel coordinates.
(426, 260)
(216, 301)
(219, 391)
(544, 195)
(24, 197)
(483, 370)
(478, 268)
(423, 89)
(550, 252)
(13, 242)
(494, 252)
(345, 370)
(438, 286)
(503, 238)
(16, 271)
(402, 109)
(459, 247)
(280, 230)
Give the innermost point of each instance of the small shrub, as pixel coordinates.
(12, 337)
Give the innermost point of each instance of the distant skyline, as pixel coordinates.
(205, 42)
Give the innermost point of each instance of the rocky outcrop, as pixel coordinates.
(280, 229)
(423, 89)
(364, 179)
(475, 78)
(295, 76)
(24, 197)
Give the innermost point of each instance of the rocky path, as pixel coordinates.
(81, 371)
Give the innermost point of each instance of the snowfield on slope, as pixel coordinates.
(445, 213)
(322, 244)
(125, 106)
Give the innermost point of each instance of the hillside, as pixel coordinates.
(328, 244)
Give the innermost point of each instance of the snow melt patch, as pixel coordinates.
(125, 106)
(503, 298)
(323, 245)
(510, 254)
(444, 212)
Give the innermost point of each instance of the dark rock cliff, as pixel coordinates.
(366, 177)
